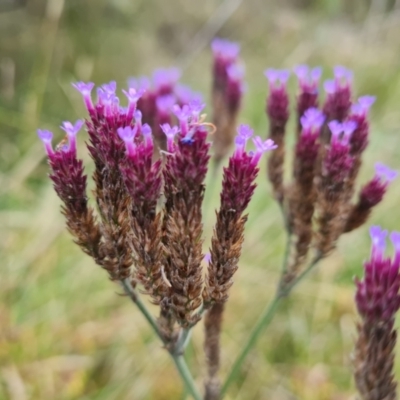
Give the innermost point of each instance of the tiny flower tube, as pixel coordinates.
(133, 97)
(165, 80)
(278, 99)
(170, 133)
(86, 89)
(128, 134)
(338, 94)
(183, 114)
(138, 122)
(46, 137)
(71, 131)
(308, 80)
(147, 136)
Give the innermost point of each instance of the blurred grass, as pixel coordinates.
(64, 331)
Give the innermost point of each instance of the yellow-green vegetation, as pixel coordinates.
(65, 330)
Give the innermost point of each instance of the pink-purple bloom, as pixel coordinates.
(377, 297)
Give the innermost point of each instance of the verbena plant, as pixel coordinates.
(151, 159)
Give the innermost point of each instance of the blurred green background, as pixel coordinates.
(65, 332)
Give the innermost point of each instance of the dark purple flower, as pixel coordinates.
(308, 87)
(85, 89)
(338, 94)
(239, 177)
(377, 296)
(46, 137)
(278, 99)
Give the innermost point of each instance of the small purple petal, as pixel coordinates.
(245, 131)
(236, 72)
(110, 87)
(72, 130)
(165, 103)
(336, 128)
(301, 71)
(385, 172)
(330, 86)
(225, 49)
(378, 237)
(127, 133)
(45, 135)
(84, 88)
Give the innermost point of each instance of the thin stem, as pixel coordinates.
(267, 316)
(131, 292)
(261, 324)
(179, 361)
(186, 376)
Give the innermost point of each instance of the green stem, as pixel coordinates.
(186, 376)
(267, 316)
(261, 324)
(178, 359)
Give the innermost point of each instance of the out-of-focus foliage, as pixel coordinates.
(64, 333)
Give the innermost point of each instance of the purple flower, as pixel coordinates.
(110, 87)
(133, 96)
(308, 78)
(86, 89)
(244, 134)
(262, 147)
(165, 79)
(128, 134)
(142, 83)
(170, 133)
(277, 78)
(385, 173)
(225, 49)
(46, 137)
(343, 76)
(71, 131)
(165, 103)
(312, 120)
(377, 295)
(138, 121)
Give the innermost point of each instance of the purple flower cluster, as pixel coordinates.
(278, 99)
(377, 296)
(242, 170)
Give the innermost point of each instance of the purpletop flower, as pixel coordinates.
(363, 105)
(225, 49)
(244, 134)
(86, 89)
(165, 103)
(183, 114)
(308, 78)
(110, 87)
(278, 98)
(343, 76)
(385, 173)
(138, 121)
(165, 79)
(342, 132)
(71, 131)
(377, 296)
(170, 133)
(127, 134)
(46, 137)
(338, 100)
(133, 97)
(277, 78)
(378, 237)
(142, 83)
(312, 120)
